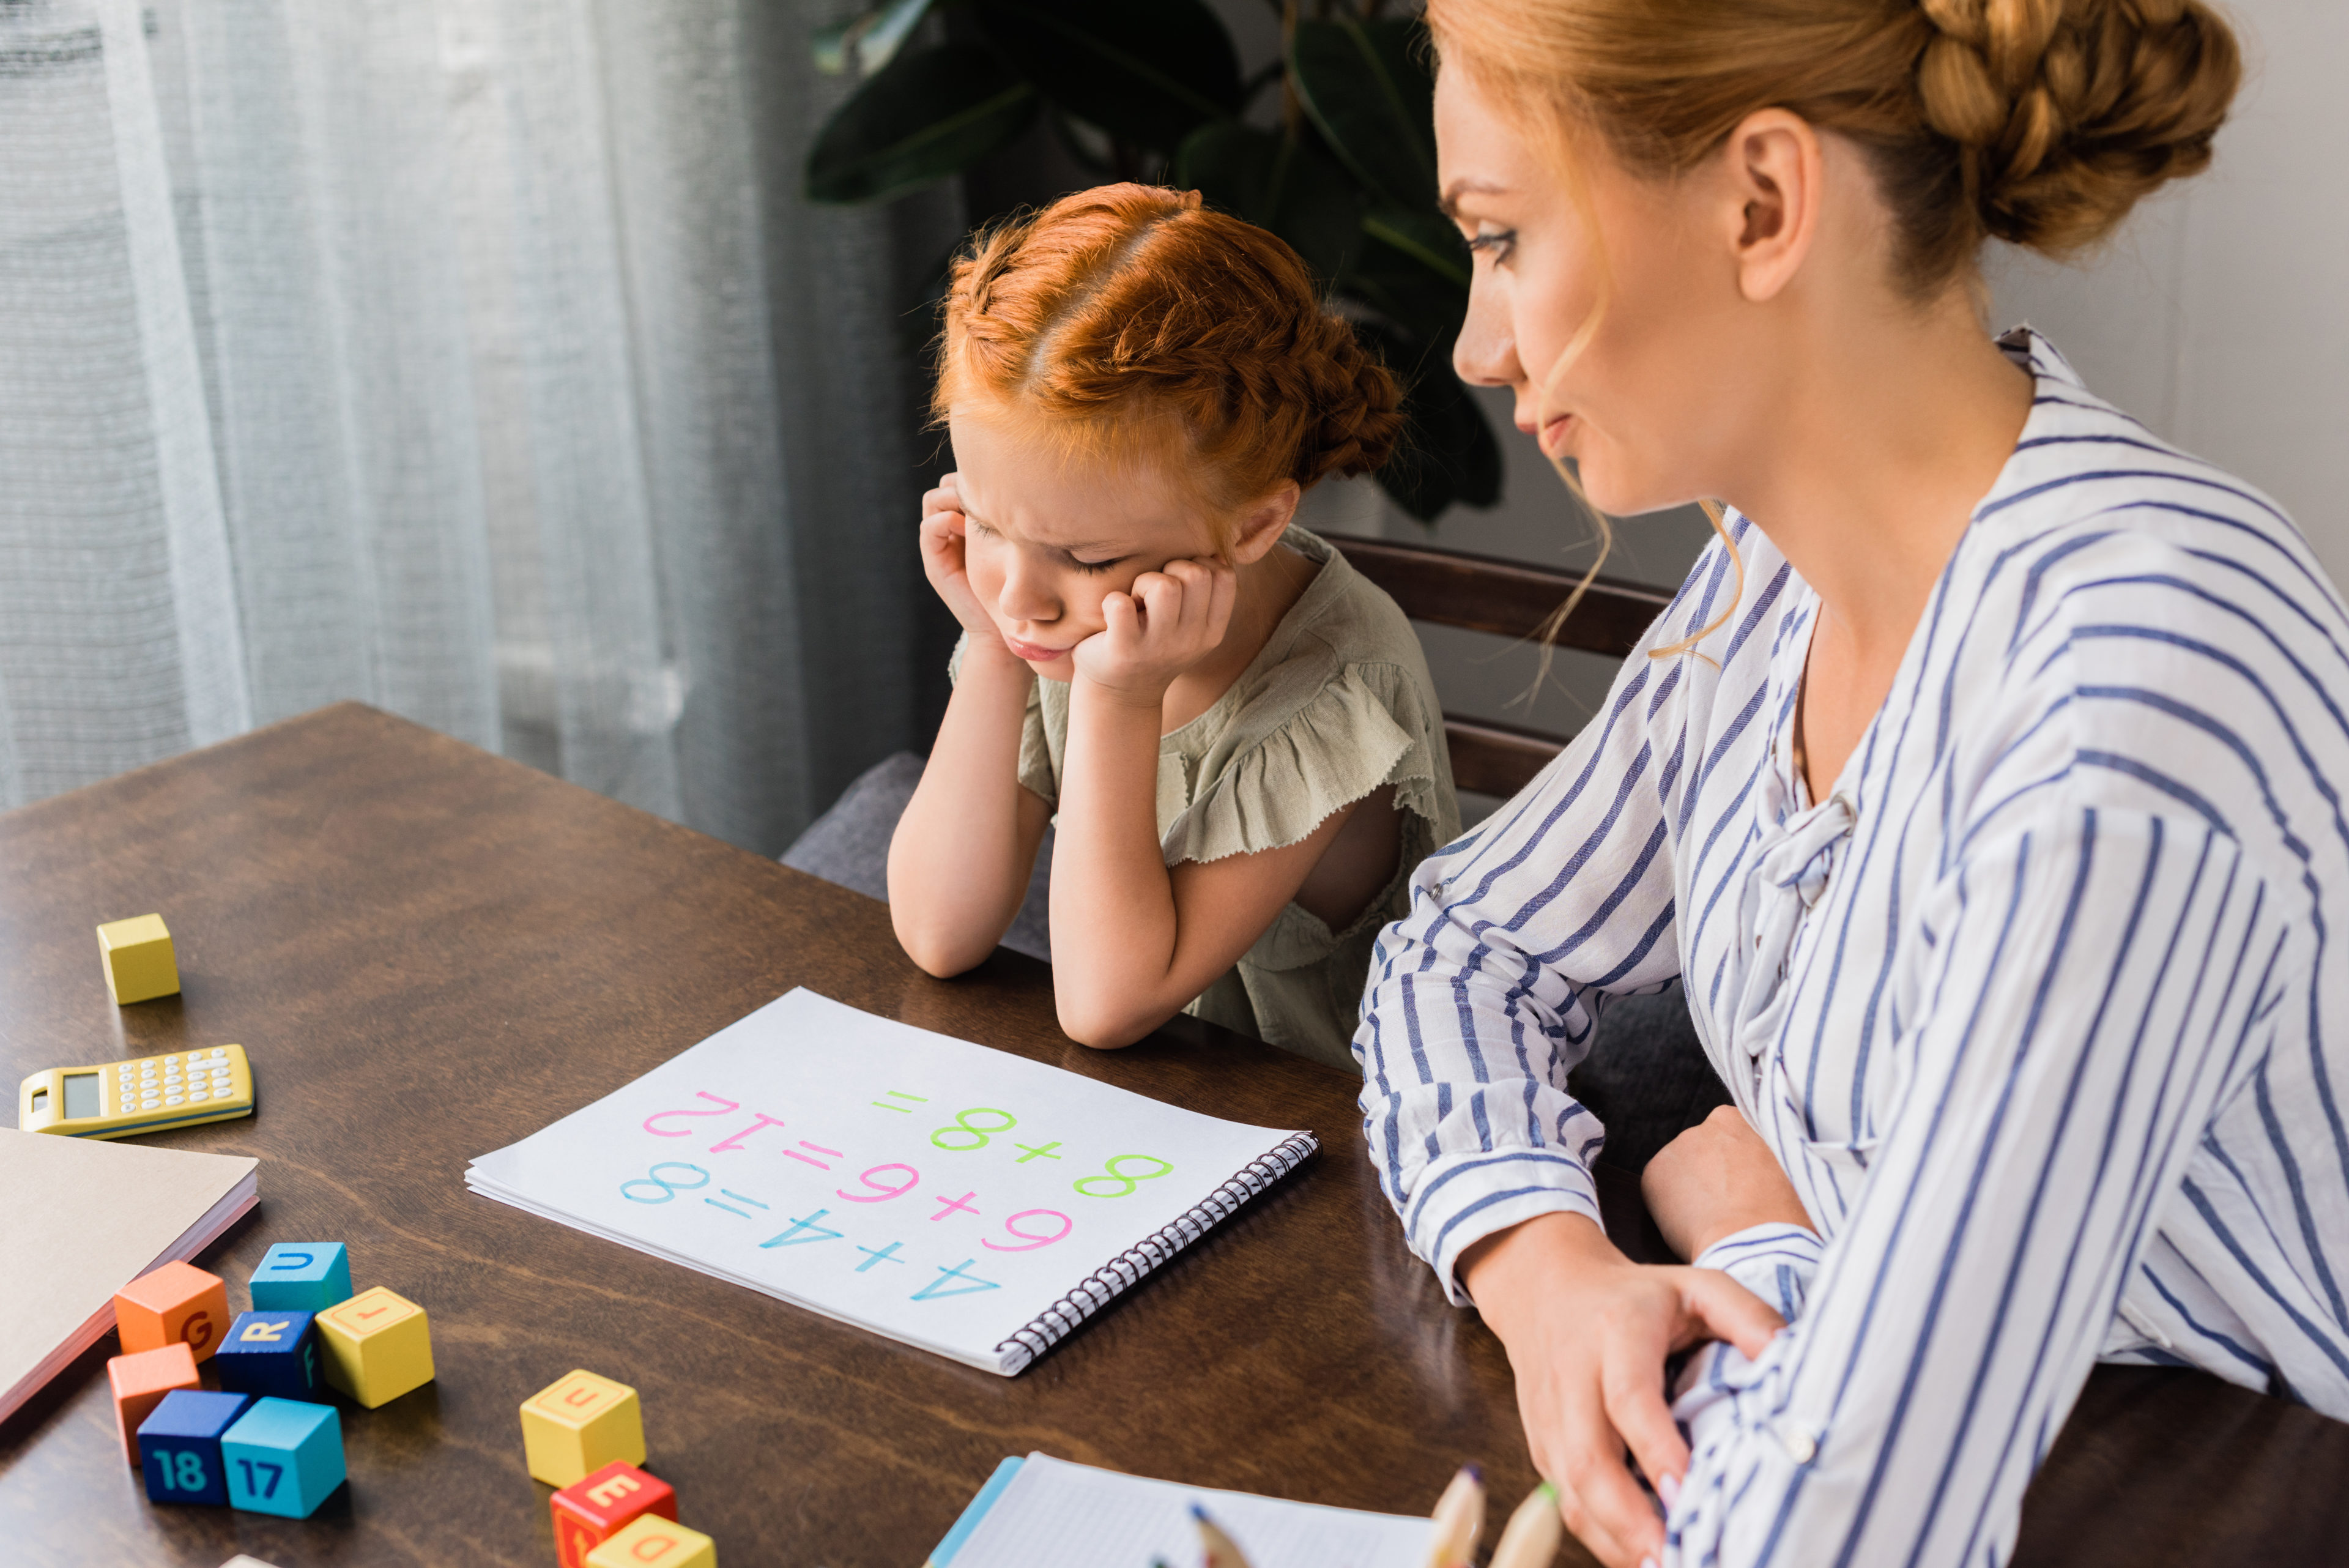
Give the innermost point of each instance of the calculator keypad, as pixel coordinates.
(152, 1084)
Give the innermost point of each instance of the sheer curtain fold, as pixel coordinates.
(472, 359)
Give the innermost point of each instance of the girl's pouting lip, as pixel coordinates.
(1033, 654)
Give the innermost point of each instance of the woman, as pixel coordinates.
(1982, 788)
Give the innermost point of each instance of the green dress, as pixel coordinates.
(1338, 703)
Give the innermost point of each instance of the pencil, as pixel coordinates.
(1533, 1532)
(1459, 1520)
(1221, 1552)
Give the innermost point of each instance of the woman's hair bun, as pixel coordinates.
(2066, 113)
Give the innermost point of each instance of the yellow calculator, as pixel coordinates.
(146, 1093)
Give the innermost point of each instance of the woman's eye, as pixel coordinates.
(1499, 242)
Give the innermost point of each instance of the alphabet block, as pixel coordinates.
(179, 1446)
(377, 1346)
(593, 1510)
(273, 1354)
(580, 1423)
(653, 1541)
(302, 1276)
(177, 1303)
(139, 962)
(141, 1380)
(282, 1456)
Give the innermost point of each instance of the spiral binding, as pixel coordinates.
(1099, 1289)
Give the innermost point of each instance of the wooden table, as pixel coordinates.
(431, 953)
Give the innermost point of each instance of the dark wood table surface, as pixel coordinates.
(430, 953)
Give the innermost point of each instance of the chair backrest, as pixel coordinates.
(1508, 599)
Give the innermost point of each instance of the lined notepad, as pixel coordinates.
(1050, 1513)
(973, 1204)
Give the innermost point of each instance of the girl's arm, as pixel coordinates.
(1134, 943)
(962, 854)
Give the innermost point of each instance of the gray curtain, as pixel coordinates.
(474, 359)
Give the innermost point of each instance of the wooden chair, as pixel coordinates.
(1508, 599)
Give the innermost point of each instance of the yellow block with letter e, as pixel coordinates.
(580, 1423)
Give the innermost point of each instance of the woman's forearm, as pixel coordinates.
(960, 859)
(1115, 930)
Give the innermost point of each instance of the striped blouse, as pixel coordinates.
(2036, 1008)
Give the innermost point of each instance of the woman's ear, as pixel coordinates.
(1775, 176)
(1263, 523)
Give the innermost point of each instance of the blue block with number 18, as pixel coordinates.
(302, 1276)
(179, 1446)
(283, 1456)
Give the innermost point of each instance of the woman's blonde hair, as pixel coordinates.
(2040, 122)
(1132, 323)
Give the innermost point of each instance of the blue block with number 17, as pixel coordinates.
(283, 1456)
(179, 1446)
(302, 1276)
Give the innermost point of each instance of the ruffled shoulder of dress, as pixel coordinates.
(1365, 727)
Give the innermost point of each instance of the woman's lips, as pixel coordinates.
(1553, 434)
(1031, 653)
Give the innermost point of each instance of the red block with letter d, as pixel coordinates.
(591, 1511)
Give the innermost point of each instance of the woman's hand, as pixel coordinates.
(1588, 1332)
(1167, 622)
(944, 533)
(1715, 1180)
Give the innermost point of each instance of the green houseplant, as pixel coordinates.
(1151, 89)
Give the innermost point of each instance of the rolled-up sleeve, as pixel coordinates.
(1482, 998)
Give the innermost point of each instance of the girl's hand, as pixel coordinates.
(944, 535)
(1715, 1180)
(1588, 1332)
(1167, 622)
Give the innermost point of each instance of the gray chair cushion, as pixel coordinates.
(849, 845)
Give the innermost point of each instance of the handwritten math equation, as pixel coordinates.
(1025, 1230)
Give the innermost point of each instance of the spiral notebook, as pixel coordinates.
(959, 1199)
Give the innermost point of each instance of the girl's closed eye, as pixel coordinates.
(1095, 566)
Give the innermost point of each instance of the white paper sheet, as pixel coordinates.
(933, 1190)
(1055, 1515)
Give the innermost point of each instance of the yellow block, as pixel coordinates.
(378, 1345)
(578, 1424)
(651, 1541)
(139, 962)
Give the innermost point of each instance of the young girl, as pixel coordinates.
(1237, 733)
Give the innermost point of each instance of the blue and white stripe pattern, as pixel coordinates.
(2043, 1008)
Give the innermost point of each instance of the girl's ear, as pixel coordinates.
(1263, 522)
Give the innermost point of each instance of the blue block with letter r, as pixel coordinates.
(270, 1352)
(302, 1276)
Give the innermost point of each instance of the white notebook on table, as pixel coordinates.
(959, 1199)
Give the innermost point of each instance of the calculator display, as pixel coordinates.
(81, 1096)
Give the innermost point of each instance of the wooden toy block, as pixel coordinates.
(580, 1423)
(591, 1511)
(282, 1456)
(179, 1446)
(377, 1346)
(177, 1303)
(139, 965)
(141, 1380)
(652, 1541)
(302, 1276)
(270, 1354)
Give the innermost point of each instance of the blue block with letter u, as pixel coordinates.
(302, 1276)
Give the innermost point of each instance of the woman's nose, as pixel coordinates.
(1485, 352)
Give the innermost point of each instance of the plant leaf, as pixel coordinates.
(869, 41)
(929, 113)
(1367, 87)
(1286, 184)
(1447, 454)
(1146, 71)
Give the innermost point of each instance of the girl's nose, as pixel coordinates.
(1026, 595)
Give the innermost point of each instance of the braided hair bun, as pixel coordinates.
(1132, 322)
(2068, 111)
